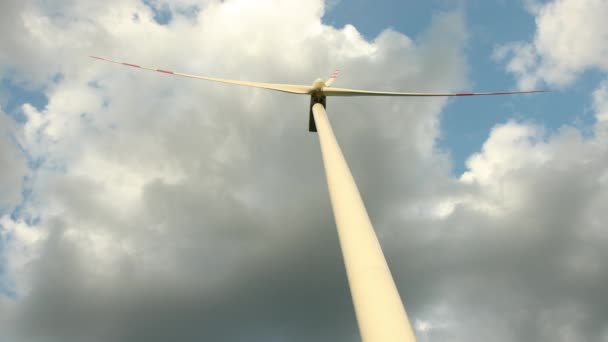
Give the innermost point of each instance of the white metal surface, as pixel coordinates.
(330, 91)
(307, 90)
(332, 78)
(287, 88)
(378, 307)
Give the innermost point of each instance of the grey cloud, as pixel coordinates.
(187, 210)
(534, 272)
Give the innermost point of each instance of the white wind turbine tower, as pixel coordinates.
(380, 313)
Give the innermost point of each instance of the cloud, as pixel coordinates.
(178, 209)
(523, 236)
(570, 39)
(600, 102)
(12, 163)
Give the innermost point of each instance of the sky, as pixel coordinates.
(135, 206)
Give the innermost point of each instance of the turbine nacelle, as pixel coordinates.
(317, 96)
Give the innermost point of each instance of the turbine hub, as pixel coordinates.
(318, 84)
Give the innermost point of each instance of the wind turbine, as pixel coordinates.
(380, 313)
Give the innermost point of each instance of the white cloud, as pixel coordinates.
(600, 102)
(570, 38)
(12, 164)
(22, 244)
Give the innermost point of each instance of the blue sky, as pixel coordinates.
(466, 123)
(199, 211)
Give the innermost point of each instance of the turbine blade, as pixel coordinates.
(287, 88)
(332, 78)
(355, 92)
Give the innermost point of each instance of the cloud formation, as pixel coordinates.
(570, 38)
(178, 209)
(12, 163)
